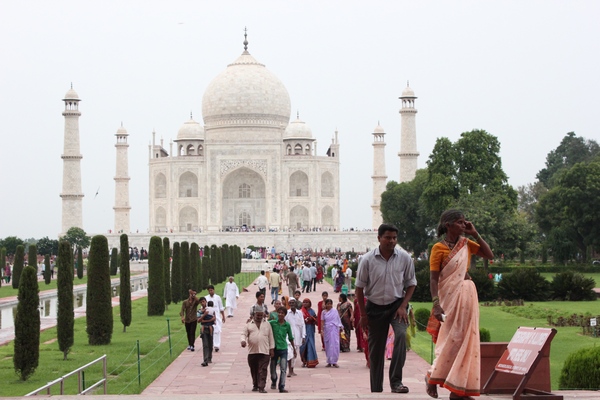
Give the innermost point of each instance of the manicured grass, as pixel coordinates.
(595, 275)
(122, 368)
(503, 325)
(7, 290)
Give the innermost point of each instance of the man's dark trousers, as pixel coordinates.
(190, 329)
(259, 364)
(380, 318)
(207, 344)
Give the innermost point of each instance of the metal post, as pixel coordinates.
(104, 373)
(139, 364)
(169, 333)
(82, 380)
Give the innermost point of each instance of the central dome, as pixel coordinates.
(246, 93)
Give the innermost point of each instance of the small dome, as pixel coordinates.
(297, 130)
(378, 129)
(71, 95)
(191, 130)
(121, 131)
(408, 92)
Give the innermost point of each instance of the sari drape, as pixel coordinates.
(345, 310)
(308, 351)
(331, 325)
(457, 359)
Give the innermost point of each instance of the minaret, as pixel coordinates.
(379, 177)
(71, 190)
(408, 136)
(122, 207)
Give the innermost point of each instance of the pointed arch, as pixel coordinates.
(160, 186)
(188, 184)
(299, 184)
(299, 217)
(327, 186)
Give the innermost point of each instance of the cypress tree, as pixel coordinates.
(206, 267)
(65, 318)
(214, 276)
(219, 265)
(167, 270)
(27, 324)
(156, 287)
(18, 266)
(80, 262)
(113, 261)
(176, 274)
(238, 259)
(194, 255)
(226, 265)
(186, 273)
(200, 286)
(32, 256)
(125, 283)
(47, 272)
(99, 316)
(2, 261)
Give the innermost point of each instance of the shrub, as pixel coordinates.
(186, 273)
(176, 274)
(79, 262)
(167, 269)
(484, 335)
(114, 265)
(18, 266)
(65, 319)
(485, 286)
(524, 283)
(421, 317)
(572, 286)
(125, 284)
(27, 324)
(581, 370)
(99, 316)
(156, 286)
(422, 292)
(194, 255)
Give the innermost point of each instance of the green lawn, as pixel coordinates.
(596, 275)
(503, 325)
(151, 332)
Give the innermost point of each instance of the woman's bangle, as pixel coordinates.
(435, 298)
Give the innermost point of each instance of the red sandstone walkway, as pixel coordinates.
(228, 377)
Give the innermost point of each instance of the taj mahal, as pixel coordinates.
(249, 174)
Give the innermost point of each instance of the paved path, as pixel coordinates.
(229, 377)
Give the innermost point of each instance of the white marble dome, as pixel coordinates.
(190, 130)
(297, 130)
(408, 92)
(378, 129)
(71, 95)
(122, 131)
(246, 93)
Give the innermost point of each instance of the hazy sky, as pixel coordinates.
(525, 71)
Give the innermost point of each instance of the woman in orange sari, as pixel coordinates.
(454, 321)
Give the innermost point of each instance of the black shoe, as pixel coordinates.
(262, 391)
(283, 391)
(216, 350)
(192, 349)
(400, 389)
(255, 389)
(273, 386)
(204, 364)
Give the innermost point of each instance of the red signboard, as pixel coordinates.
(523, 350)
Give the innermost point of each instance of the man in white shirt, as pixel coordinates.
(231, 293)
(262, 283)
(218, 305)
(296, 320)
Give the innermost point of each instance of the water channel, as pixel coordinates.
(49, 302)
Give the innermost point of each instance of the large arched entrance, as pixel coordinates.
(244, 200)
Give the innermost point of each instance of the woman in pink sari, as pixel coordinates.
(454, 321)
(332, 326)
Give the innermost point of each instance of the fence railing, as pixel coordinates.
(80, 380)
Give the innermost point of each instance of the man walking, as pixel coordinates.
(206, 334)
(231, 293)
(313, 272)
(282, 333)
(219, 313)
(189, 309)
(292, 281)
(296, 320)
(386, 275)
(258, 335)
(262, 283)
(274, 284)
(306, 278)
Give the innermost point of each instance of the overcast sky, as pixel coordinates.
(528, 72)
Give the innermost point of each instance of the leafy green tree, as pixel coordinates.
(167, 270)
(18, 263)
(114, 265)
(400, 206)
(65, 322)
(572, 150)
(47, 269)
(80, 262)
(125, 283)
(27, 325)
(194, 255)
(176, 273)
(99, 316)
(156, 286)
(77, 237)
(11, 243)
(47, 246)
(186, 272)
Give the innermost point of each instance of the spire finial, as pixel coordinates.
(407, 83)
(245, 39)
(191, 116)
(121, 124)
(71, 85)
(297, 114)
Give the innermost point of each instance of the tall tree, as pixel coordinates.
(47, 269)
(80, 262)
(219, 265)
(18, 263)
(114, 258)
(47, 246)
(65, 320)
(2, 261)
(156, 286)
(167, 270)
(186, 273)
(194, 255)
(206, 267)
(11, 243)
(32, 256)
(27, 325)
(176, 273)
(125, 283)
(77, 237)
(99, 316)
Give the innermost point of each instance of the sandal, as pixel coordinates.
(335, 366)
(431, 389)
